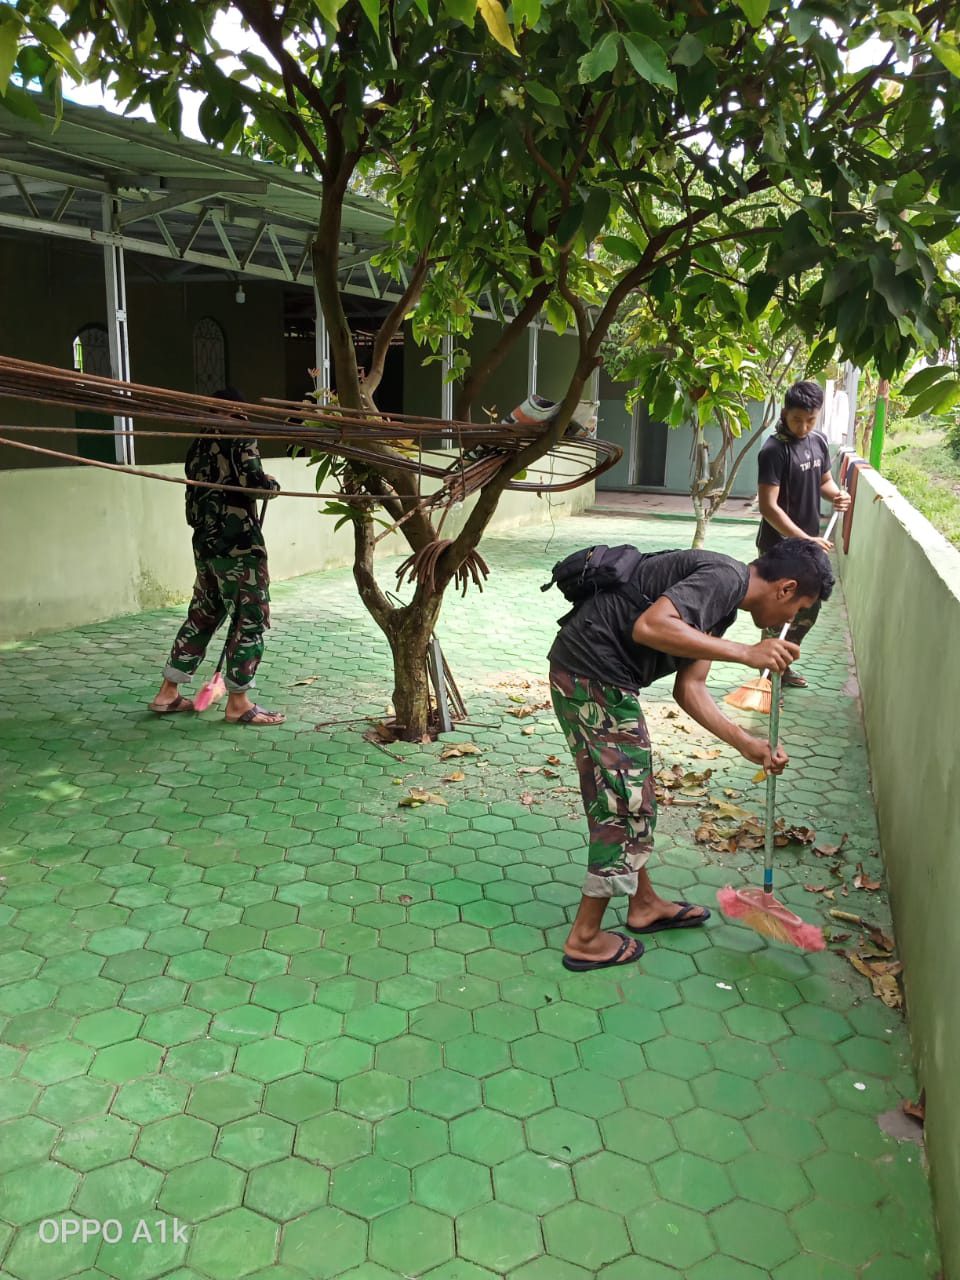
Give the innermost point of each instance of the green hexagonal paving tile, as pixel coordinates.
(286, 1189)
(202, 1190)
(370, 1186)
(411, 1239)
(255, 1140)
(224, 1099)
(585, 1235)
(233, 1244)
(452, 1185)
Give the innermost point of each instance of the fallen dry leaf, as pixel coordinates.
(553, 760)
(916, 1110)
(456, 776)
(528, 709)
(699, 753)
(459, 749)
(882, 941)
(550, 773)
(882, 975)
(830, 850)
(305, 680)
(418, 796)
(528, 768)
(863, 881)
(760, 776)
(528, 730)
(526, 797)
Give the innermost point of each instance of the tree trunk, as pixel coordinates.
(408, 632)
(700, 533)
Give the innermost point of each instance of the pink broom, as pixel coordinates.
(758, 909)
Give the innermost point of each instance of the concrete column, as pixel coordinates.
(116, 286)
(322, 345)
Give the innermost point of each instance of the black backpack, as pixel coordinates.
(586, 573)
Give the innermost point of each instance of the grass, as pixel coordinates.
(918, 462)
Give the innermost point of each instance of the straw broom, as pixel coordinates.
(758, 909)
(755, 695)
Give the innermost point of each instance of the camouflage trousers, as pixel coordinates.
(607, 734)
(800, 625)
(234, 587)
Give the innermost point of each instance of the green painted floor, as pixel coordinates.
(249, 1000)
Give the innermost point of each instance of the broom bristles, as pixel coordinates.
(755, 695)
(211, 692)
(770, 918)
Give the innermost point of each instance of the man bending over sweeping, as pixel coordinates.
(232, 576)
(615, 643)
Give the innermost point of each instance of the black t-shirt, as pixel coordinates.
(595, 642)
(799, 468)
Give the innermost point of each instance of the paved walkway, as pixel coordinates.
(244, 989)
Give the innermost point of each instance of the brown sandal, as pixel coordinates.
(179, 703)
(250, 717)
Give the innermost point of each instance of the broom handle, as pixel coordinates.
(782, 636)
(771, 807)
(236, 612)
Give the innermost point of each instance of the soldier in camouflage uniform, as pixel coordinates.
(608, 648)
(233, 580)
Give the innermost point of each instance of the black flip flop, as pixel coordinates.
(679, 921)
(584, 966)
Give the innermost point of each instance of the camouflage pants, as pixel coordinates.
(800, 625)
(237, 587)
(607, 734)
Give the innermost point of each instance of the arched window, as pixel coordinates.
(209, 357)
(91, 350)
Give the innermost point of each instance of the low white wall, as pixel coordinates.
(81, 544)
(901, 580)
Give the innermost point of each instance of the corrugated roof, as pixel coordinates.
(174, 198)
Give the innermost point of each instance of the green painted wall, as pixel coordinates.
(83, 544)
(901, 580)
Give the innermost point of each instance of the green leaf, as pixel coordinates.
(9, 44)
(570, 222)
(949, 56)
(329, 9)
(276, 126)
(760, 289)
(623, 248)
(601, 59)
(463, 10)
(924, 378)
(595, 214)
(540, 93)
(801, 25)
(821, 355)
(941, 396)
(526, 13)
(649, 61)
(754, 10)
(688, 52)
(372, 9)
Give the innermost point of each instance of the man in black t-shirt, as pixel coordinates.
(605, 652)
(793, 472)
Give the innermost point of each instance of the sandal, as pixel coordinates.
(584, 966)
(792, 679)
(178, 703)
(682, 920)
(257, 716)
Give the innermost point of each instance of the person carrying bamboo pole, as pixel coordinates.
(668, 620)
(233, 577)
